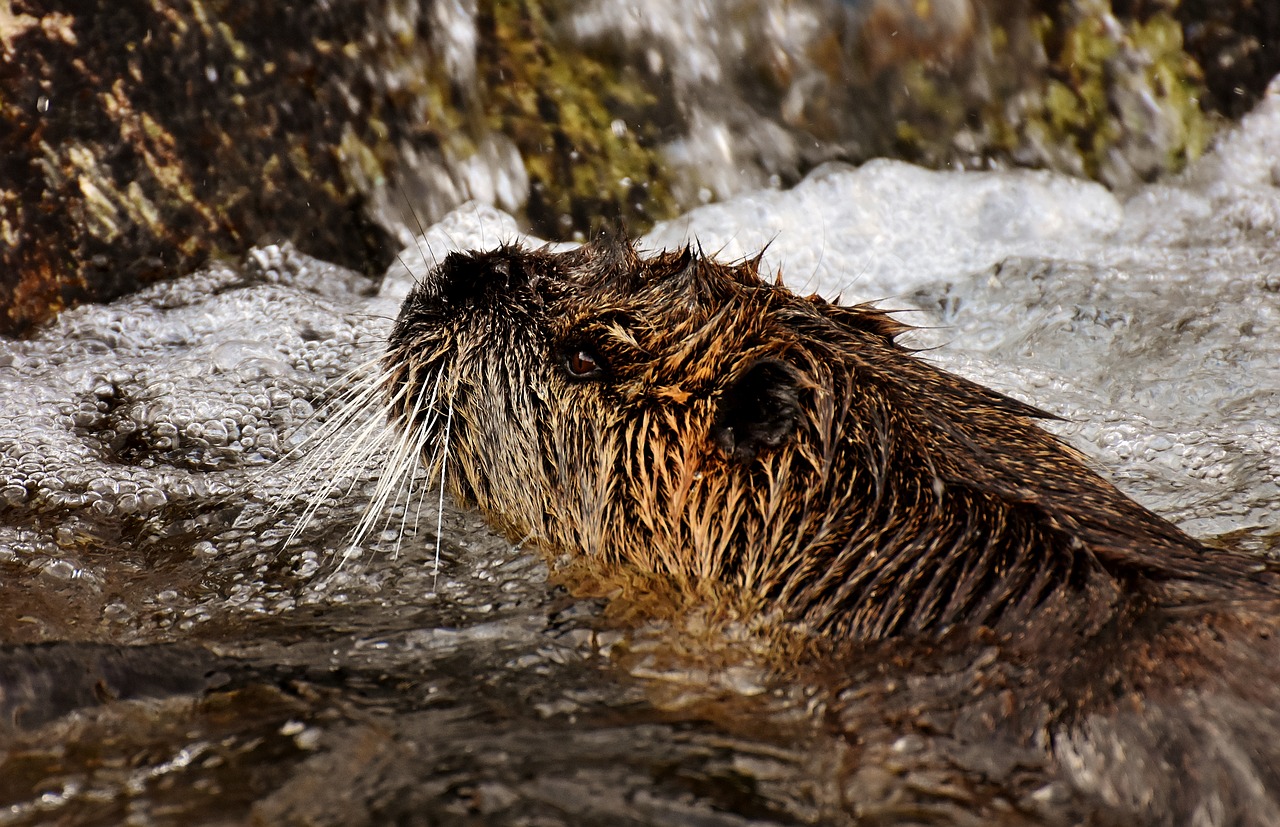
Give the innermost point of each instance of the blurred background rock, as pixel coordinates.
(141, 139)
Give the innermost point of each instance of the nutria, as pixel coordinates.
(682, 423)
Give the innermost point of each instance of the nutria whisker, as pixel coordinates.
(316, 454)
(444, 466)
(353, 432)
(404, 464)
(398, 469)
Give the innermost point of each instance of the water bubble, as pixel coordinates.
(151, 499)
(214, 432)
(61, 569)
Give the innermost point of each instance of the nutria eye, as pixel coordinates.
(583, 363)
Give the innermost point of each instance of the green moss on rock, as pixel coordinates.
(144, 137)
(1070, 85)
(584, 127)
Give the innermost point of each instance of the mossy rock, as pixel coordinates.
(142, 139)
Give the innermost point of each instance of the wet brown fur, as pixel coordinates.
(779, 453)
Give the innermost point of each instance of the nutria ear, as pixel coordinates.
(758, 411)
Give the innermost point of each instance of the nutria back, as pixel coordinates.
(683, 427)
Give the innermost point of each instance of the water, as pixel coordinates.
(147, 491)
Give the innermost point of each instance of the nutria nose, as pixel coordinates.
(478, 278)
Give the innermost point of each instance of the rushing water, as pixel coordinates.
(147, 491)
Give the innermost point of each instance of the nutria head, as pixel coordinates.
(685, 420)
